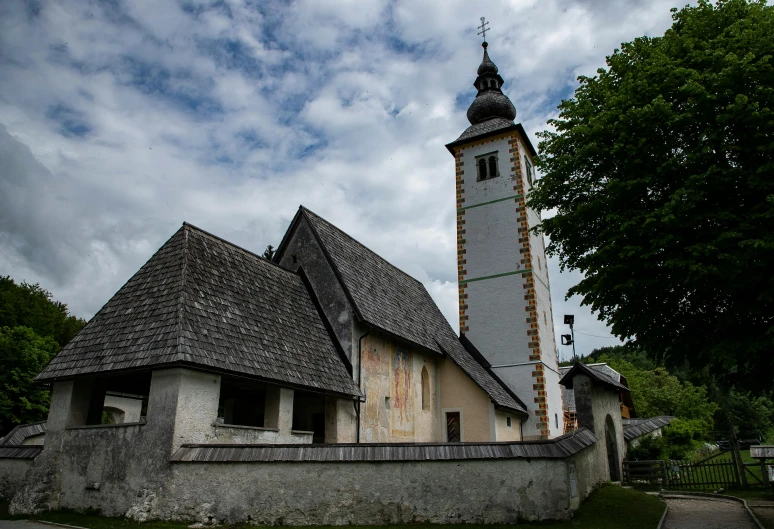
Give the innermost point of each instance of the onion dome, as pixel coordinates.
(490, 101)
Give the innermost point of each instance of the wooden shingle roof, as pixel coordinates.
(206, 303)
(389, 299)
(633, 428)
(560, 447)
(599, 375)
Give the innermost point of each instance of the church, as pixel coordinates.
(329, 343)
(324, 385)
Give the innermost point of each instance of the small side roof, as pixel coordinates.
(203, 302)
(597, 375)
(633, 428)
(22, 432)
(389, 299)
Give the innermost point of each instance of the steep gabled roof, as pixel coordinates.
(597, 373)
(204, 302)
(391, 300)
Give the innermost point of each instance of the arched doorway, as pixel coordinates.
(611, 443)
(115, 415)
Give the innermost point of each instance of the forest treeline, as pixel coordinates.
(33, 328)
(705, 409)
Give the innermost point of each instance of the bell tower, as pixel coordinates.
(504, 290)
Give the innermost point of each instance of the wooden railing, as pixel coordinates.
(683, 475)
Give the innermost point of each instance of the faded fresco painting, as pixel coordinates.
(376, 381)
(402, 394)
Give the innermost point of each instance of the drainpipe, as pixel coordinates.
(359, 378)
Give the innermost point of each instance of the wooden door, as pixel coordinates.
(453, 432)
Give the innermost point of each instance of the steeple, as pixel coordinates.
(504, 294)
(490, 101)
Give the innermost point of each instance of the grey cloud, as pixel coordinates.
(342, 108)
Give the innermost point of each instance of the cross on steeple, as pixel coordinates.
(483, 27)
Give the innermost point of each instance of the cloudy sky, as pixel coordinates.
(119, 120)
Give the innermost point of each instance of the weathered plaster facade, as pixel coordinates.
(126, 470)
(392, 380)
(304, 251)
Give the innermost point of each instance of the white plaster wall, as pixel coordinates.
(490, 189)
(492, 240)
(196, 405)
(130, 407)
(502, 432)
(497, 320)
(519, 379)
(554, 401)
(343, 493)
(340, 420)
(496, 315)
(254, 435)
(35, 440)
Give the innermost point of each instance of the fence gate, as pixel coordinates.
(681, 475)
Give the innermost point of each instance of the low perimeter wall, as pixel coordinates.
(314, 484)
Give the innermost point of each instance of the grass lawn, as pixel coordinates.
(756, 470)
(609, 507)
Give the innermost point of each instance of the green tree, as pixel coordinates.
(660, 172)
(655, 392)
(33, 327)
(749, 415)
(23, 354)
(34, 307)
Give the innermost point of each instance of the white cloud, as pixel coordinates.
(123, 121)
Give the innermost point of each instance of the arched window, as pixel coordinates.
(492, 166)
(425, 389)
(481, 169)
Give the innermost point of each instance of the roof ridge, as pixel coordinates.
(181, 294)
(307, 210)
(235, 246)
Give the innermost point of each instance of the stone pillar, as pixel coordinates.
(69, 405)
(340, 420)
(584, 410)
(279, 410)
(185, 401)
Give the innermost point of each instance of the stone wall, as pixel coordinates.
(12, 476)
(338, 493)
(128, 470)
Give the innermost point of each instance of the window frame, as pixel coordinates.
(485, 158)
(530, 170)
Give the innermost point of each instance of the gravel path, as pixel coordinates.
(707, 514)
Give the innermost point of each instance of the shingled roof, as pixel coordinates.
(599, 373)
(204, 302)
(389, 299)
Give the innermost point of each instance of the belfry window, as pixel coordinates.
(530, 177)
(487, 166)
(482, 169)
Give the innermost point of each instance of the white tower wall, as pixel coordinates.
(505, 301)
